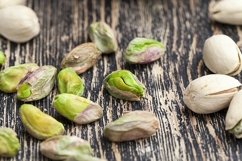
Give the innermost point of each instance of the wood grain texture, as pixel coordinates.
(183, 25)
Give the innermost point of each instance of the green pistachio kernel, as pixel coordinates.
(37, 85)
(143, 51)
(39, 124)
(77, 109)
(9, 143)
(132, 125)
(2, 58)
(83, 157)
(103, 36)
(64, 146)
(70, 82)
(124, 85)
(11, 77)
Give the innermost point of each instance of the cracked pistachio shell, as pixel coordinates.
(131, 126)
(222, 56)
(70, 82)
(224, 11)
(9, 143)
(103, 36)
(6, 3)
(233, 119)
(37, 85)
(19, 23)
(123, 84)
(210, 93)
(143, 51)
(2, 58)
(82, 57)
(64, 146)
(82, 157)
(10, 77)
(39, 124)
(77, 109)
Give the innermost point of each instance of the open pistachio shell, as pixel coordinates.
(222, 56)
(210, 93)
(11, 77)
(123, 84)
(39, 124)
(9, 143)
(64, 146)
(77, 109)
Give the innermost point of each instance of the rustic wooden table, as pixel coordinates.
(183, 25)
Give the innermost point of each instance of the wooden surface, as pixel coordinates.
(183, 25)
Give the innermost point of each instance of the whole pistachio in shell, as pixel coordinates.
(233, 120)
(123, 84)
(210, 93)
(62, 147)
(39, 124)
(9, 143)
(131, 126)
(103, 36)
(77, 109)
(222, 56)
(37, 85)
(11, 77)
(82, 57)
(143, 51)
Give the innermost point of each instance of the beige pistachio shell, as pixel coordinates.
(210, 93)
(221, 55)
(226, 11)
(234, 116)
(6, 3)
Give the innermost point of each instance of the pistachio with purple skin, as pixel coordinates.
(77, 109)
(82, 57)
(37, 85)
(143, 51)
(10, 77)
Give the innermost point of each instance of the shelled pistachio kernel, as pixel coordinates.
(143, 51)
(81, 157)
(37, 85)
(11, 77)
(210, 93)
(2, 58)
(39, 124)
(82, 57)
(123, 84)
(70, 82)
(132, 125)
(77, 109)
(103, 36)
(222, 55)
(62, 147)
(9, 143)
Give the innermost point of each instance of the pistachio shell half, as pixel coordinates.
(210, 93)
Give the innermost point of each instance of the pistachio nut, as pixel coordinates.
(233, 120)
(210, 93)
(103, 36)
(39, 124)
(221, 55)
(10, 77)
(123, 84)
(2, 58)
(64, 146)
(132, 125)
(70, 82)
(9, 143)
(6, 3)
(83, 157)
(18, 23)
(82, 57)
(143, 51)
(37, 85)
(224, 11)
(77, 109)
